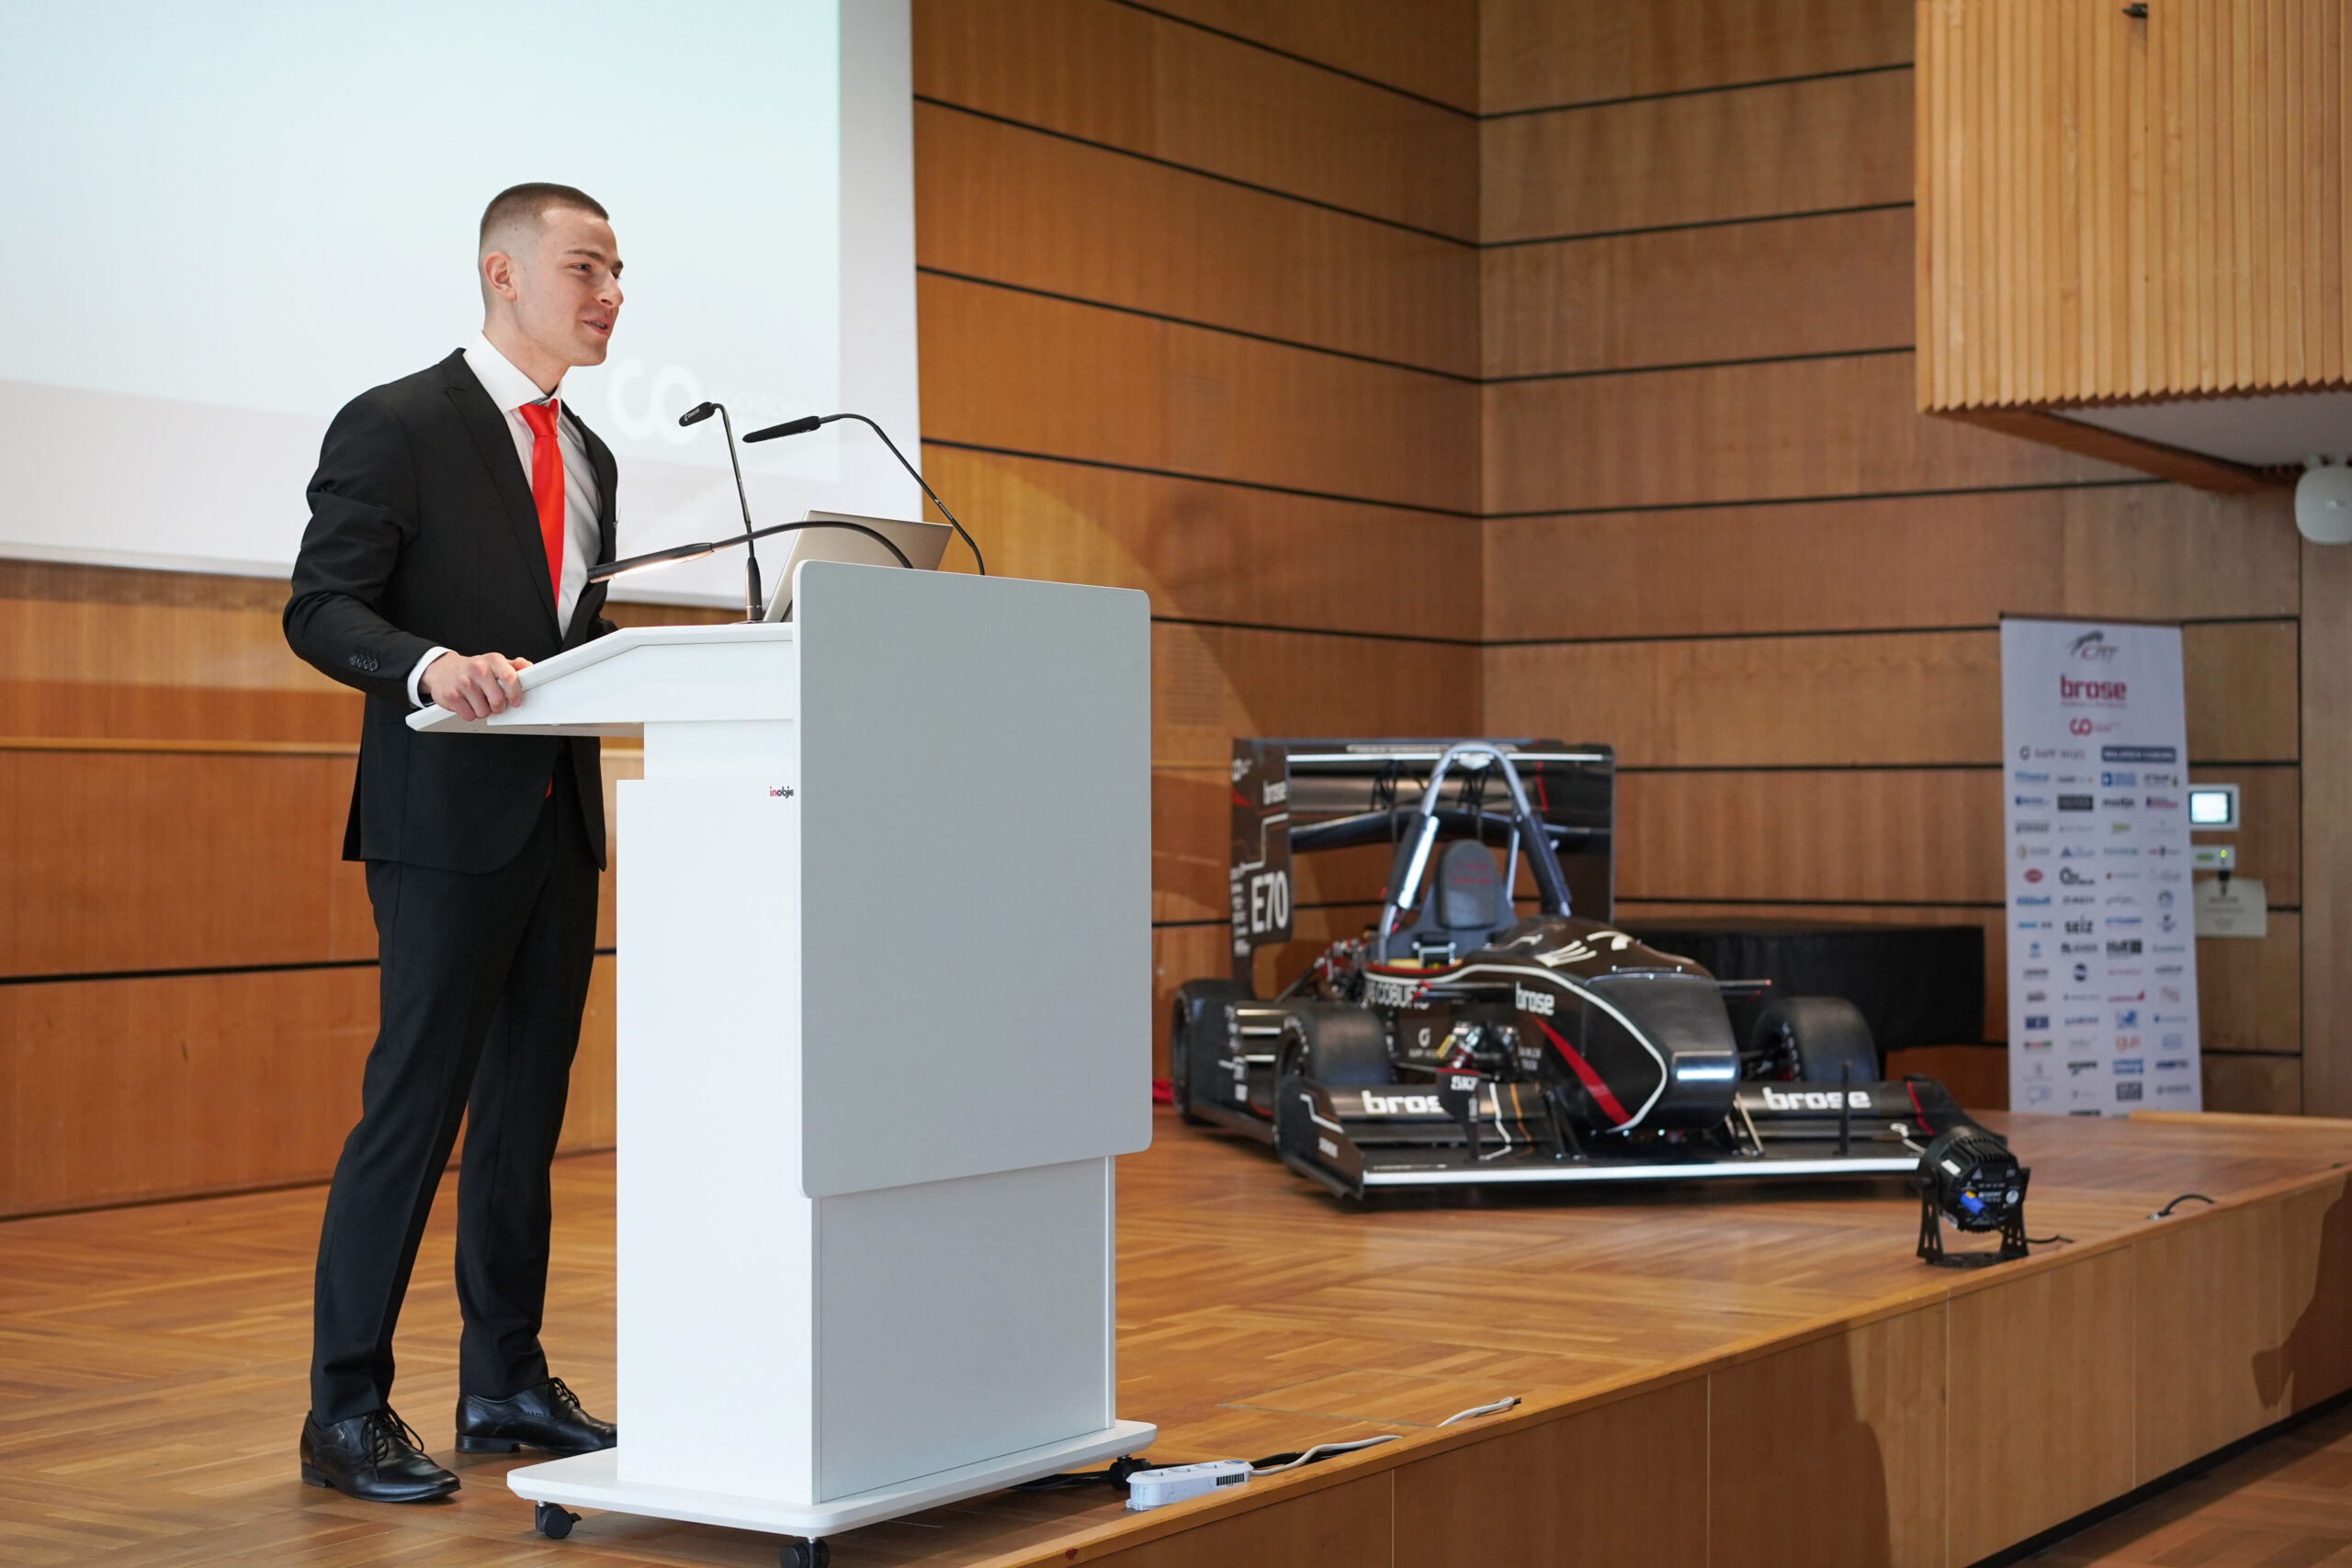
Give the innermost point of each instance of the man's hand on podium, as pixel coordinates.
(476, 687)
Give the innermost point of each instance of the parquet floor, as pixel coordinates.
(152, 1361)
(2286, 1504)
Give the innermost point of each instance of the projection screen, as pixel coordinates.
(227, 219)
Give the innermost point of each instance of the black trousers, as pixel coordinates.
(483, 981)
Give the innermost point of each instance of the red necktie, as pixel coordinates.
(546, 486)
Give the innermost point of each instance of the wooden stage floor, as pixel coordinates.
(1710, 1377)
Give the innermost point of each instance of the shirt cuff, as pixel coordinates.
(416, 676)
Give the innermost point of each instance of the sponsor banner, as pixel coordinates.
(2094, 742)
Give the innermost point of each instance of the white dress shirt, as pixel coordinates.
(510, 389)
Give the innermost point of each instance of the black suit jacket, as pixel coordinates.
(423, 533)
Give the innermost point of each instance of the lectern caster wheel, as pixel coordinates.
(807, 1555)
(553, 1522)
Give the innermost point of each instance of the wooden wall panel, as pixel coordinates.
(1415, 46)
(1910, 697)
(1072, 382)
(591, 1116)
(1015, 206)
(133, 860)
(1832, 285)
(2263, 1086)
(1121, 76)
(2116, 208)
(2033, 1413)
(1745, 433)
(1346, 1525)
(2326, 780)
(2313, 1360)
(1539, 54)
(1218, 552)
(1652, 1447)
(2249, 992)
(1211, 683)
(1765, 152)
(1857, 1416)
(1977, 1075)
(1863, 836)
(134, 1090)
(99, 651)
(2244, 692)
(1190, 828)
(2151, 551)
(119, 1091)
(2214, 1284)
(1907, 697)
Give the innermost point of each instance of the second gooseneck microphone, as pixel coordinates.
(808, 423)
(753, 606)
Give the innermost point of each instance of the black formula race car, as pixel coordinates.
(1457, 1042)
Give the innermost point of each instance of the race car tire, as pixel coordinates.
(1819, 1035)
(1196, 1034)
(1336, 1045)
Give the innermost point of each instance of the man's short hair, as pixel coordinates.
(530, 203)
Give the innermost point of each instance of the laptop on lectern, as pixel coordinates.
(923, 543)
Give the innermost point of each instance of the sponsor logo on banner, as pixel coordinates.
(2092, 647)
(2075, 802)
(2074, 693)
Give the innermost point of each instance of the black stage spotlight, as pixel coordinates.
(1969, 1176)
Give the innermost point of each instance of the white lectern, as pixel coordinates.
(884, 1021)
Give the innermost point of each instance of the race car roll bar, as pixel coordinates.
(1551, 886)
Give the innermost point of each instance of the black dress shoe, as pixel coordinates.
(548, 1416)
(377, 1458)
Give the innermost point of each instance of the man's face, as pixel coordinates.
(566, 288)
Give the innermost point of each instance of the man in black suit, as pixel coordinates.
(453, 518)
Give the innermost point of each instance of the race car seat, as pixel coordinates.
(1465, 905)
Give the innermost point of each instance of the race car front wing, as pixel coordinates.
(1468, 1131)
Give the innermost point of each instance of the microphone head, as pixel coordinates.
(697, 413)
(800, 426)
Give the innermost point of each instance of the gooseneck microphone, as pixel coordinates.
(612, 569)
(752, 608)
(808, 423)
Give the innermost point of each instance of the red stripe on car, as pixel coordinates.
(1586, 1076)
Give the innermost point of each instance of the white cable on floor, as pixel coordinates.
(1503, 1403)
(1320, 1449)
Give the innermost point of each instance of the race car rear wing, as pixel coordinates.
(1298, 796)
